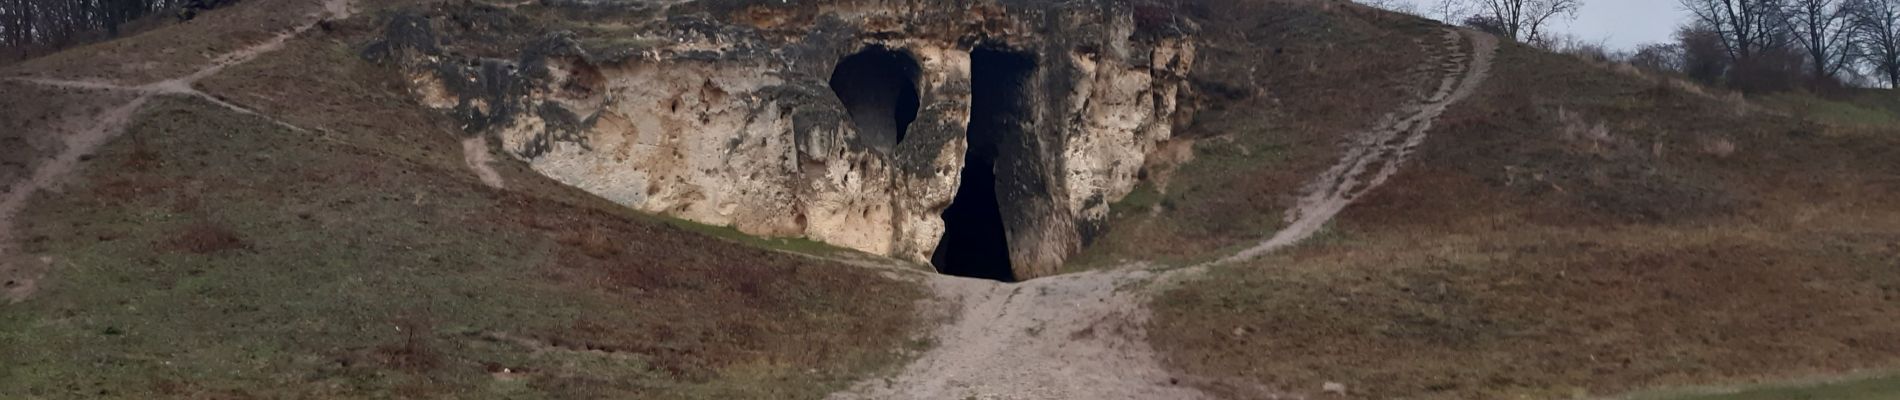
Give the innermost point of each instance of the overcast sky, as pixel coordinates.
(1622, 24)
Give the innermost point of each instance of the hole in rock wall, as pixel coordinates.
(975, 240)
(879, 89)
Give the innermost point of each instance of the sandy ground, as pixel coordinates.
(1075, 336)
(475, 155)
(20, 275)
(1080, 336)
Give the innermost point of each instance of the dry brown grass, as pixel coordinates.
(592, 243)
(370, 219)
(1544, 313)
(726, 309)
(206, 238)
(1572, 231)
(29, 112)
(1279, 85)
(172, 49)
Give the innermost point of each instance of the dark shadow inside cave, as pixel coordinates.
(975, 241)
(879, 89)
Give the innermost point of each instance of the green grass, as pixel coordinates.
(1847, 113)
(1143, 198)
(795, 245)
(1864, 388)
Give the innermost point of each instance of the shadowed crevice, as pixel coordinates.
(976, 241)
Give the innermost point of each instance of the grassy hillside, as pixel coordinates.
(1574, 230)
(1863, 388)
(210, 254)
(1277, 84)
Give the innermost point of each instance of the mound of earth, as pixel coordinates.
(857, 199)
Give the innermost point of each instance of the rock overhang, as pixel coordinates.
(722, 112)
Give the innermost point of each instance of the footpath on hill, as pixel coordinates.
(1074, 336)
(90, 129)
(1081, 336)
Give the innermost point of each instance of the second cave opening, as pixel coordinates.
(976, 240)
(878, 87)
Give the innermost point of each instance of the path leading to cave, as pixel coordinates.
(20, 275)
(1081, 336)
(1074, 336)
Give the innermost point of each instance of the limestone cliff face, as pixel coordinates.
(734, 112)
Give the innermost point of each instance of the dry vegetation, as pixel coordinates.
(1575, 231)
(208, 254)
(1570, 231)
(1278, 83)
(1543, 313)
(26, 109)
(163, 48)
(172, 50)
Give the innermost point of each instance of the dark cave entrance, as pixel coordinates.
(975, 240)
(879, 89)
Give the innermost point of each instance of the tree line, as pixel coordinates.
(35, 26)
(1777, 44)
(1752, 45)
(1520, 20)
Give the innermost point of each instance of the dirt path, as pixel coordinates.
(1075, 336)
(1081, 336)
(1375, 155)
(21, 276)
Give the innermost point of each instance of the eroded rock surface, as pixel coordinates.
(724, 112)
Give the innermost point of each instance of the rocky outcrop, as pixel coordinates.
(724, 112)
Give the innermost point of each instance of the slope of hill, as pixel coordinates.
(1365, 205)
(1572, 230)
(335, 244)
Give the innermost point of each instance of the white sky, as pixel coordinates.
(1621, 24)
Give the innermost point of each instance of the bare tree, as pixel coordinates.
(1876, 27)
(1450, 11)
(1525, 20)
(28, 26)
(1746, 27)
(1393, 5)
(1447, 11)
(1484, 23)
(1704, 58)
(1759, 38)
(1658, 57)
(14, 15)
(1823, 30)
